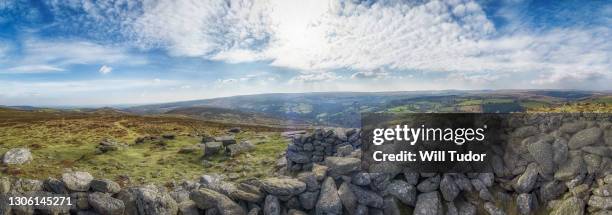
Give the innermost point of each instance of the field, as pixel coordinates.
(68, 139)
(61, 140)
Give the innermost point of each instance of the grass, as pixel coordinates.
(67, 140)
(471, 102)
(578, 107)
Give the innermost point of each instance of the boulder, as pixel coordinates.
(296, 212)
(212, 148)
(604, 212)
(585, 137)
(448, 188)
(308, 199)
(206, 139)
(283, 186)
(527, 180)
(608, 179)
(319, 171)
(55, 186)
(77, 181)
(234, 130)
(17, 156)
(361, 179)
(342, 165)
(428, 204)
(403, 191)
(560, 151)
(343, 151)
(128, 197)
(179, 195)
(272, 206)
(298, 157)
(551, 190)
(430, 184)
(572, 127)
(464, 184)
(466, 208)
(188, 208)
(347, 197)
(411, 177)
(603, 190)
(5, 185)
(492, 209)
(216, 182)
(367, 197)
(391, 206)
(570, 206)
(571, 168)
(451, 209)
(361, 210)
(599, 202)
(226, 140)
(329, 201)
(247, 193)
(605, 151)
(168, 136)
(108, 145)
(542, 152)
(151, 200)
(236, 149)
(207, 199)
(104, 204)
(486, 178)
(526, 203)
(310, 180)
(105, 186)
(592, 163)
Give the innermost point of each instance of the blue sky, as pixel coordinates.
(84, 52)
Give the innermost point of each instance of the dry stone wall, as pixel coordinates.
(552, 165)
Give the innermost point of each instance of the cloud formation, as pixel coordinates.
(30, 69)
(450, 36)
(105, 69)
(43, 56)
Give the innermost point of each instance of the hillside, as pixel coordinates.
(225, 115)
(344, 108)
(61, 139)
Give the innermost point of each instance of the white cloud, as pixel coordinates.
(105, 69)
(31, 69)
(320, 35)
(53, 56)
(323, 35)
(315, 77)
(21, 88)
(370, 74)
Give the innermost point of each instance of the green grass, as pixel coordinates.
(534, 104)
(470, 102)
(603, 100)
(578, 107)
(60, 141)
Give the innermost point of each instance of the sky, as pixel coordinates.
(94, 53)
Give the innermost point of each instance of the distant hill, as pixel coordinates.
(328, 108)
(225, 115)
(344, 108)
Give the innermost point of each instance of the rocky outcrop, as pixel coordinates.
(105, 204)
(239, 148)
(77, 181)
(308, 149)
(17, 156)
